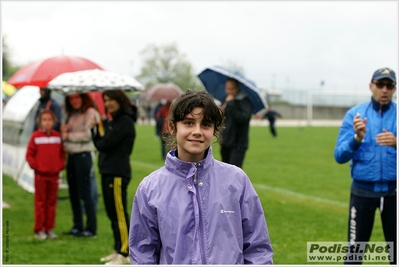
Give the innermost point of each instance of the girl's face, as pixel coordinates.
(193, 136)
(111, 105)
(47, 122)
(76, 101)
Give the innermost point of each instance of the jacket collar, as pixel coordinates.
(41, 130)
(378, 107)
(186, 169)
(120, 113)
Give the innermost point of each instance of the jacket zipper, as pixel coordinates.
(201, 227)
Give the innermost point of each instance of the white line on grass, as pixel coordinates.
(263, 187)
(299, 195)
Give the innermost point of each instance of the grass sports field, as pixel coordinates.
(304, 193)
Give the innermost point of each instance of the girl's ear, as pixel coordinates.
(171, 128)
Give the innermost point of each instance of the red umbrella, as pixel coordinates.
(167, 91)
(41, 72)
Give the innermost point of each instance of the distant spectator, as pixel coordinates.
(148, 109)
(115, 147)
(80, 110)
(142, 113)
(158, 121)
(271, 116)
(237, 108)
(162, 114)
(46, 156)
(47, 103)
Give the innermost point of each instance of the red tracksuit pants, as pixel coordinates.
(46, 189)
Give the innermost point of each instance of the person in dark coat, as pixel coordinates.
(47, 103)
(158, 121)
(272, 115)
(162, 115)
(115, 144)
(237, 109)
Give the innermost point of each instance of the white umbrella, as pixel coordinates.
(93, 80)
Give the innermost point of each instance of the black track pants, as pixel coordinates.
(233, 155)
(361, 219)
(115, 199)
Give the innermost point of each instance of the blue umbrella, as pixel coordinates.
(214, 79)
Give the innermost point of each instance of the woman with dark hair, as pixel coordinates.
(80, 110)
(115, 147)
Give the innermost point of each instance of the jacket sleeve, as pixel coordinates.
(114, 136)
(346, 145)
(257, 247)
(144, 238)
(240, 110)
(31, 153)
(85, 135)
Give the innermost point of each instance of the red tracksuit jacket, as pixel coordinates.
(45, 153)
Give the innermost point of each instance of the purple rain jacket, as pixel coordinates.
(198, 213)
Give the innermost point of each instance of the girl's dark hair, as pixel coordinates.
(87, 102)
(46, 111)
(120, 97)
(185, 104)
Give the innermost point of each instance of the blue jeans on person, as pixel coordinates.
(79, 168)
(94, 191)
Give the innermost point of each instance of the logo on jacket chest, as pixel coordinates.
(227, 211)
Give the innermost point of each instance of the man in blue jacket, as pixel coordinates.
(367, 138)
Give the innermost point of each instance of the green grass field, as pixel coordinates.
(304, 193)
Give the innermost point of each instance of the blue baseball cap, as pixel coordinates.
(384, 73)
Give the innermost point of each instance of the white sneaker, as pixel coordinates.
(119, 259)
(41, 235)
(51, 235)
(110, 257)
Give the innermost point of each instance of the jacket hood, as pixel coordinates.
(122, 112)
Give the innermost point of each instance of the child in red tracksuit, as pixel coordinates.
(46, 156)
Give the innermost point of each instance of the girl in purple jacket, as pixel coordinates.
(196, 209)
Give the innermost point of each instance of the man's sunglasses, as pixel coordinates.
(381, 85)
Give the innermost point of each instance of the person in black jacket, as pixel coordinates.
(272, 115)
(237, 109)
(115, 146)
(47, 103)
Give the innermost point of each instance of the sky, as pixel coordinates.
(279, 44)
